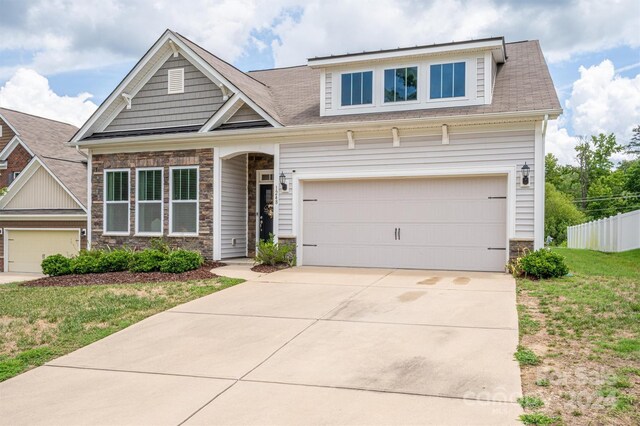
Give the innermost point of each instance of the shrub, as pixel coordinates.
(181, 261)
(544, 263)
(271, 253)
(161, 245)
(87, 262)
(115, 261)
(148, 260)
(56, 265)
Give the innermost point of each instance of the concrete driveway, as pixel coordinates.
(16, 277)
(302, 346)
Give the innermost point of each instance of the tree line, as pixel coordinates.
(596, 187)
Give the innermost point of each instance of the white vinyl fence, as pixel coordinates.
(613, 234)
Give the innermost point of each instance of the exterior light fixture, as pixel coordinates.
(283, 181)
(525, 174)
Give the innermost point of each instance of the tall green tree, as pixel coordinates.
(594, 157)
(633, 147)
(559, 213)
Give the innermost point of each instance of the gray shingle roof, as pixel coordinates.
(47, 139)
(523, 83)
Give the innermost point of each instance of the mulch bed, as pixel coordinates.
(267, 269)
(203, 273)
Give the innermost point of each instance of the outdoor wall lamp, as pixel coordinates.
(525, 174)
(283, 181)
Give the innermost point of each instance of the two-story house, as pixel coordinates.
(423, 157)
(44, 184)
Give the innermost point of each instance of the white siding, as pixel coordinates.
(234, 207)
(499, 148)
(481, 79)
(327, 90)
(41, 191)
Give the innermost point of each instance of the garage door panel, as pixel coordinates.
(27, 248)
(445, 223)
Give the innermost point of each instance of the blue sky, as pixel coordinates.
(62, 58)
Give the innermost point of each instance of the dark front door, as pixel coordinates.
(265, 211)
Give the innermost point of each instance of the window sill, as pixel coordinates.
(116, 234)
(183, 234)
(450, 99)
(415, 101)
(148, 234)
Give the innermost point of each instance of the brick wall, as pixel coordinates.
(7, 134)
(255, 162)
(197, 157)
(16, 162)
(41, 224)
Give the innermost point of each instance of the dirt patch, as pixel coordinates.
(201, 273)
(267, 269)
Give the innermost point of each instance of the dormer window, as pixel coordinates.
(175, 81)
(401, 84)
(357, 88)
(447, 80)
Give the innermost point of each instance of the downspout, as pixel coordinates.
(544, 127)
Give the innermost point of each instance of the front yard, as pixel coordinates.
(38, 324)
(580, 341)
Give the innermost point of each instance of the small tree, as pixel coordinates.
(559, 213)
(594, 160)
(633, 148)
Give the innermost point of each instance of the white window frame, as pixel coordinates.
(418, 98)
(171, 201)
(105, 202)
(373, 88)
(138, 202)
(169, 72)
(467, 81)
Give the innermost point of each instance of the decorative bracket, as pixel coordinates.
(350, 139)
(445, 134)
(225, 91)
(127, 98)
(396, 136)
(174, 48)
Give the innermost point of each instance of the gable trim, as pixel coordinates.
(223, 114)
(9, 124)
(190, 55)
(13, 143)
(24, 177)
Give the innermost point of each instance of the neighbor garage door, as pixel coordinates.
(26, 248)
(426, 223)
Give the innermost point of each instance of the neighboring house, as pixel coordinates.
(409, 158)
(43, 210)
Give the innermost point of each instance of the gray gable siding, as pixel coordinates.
(245, 113)
(152, 107)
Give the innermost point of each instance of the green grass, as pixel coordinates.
(596, 308)
(38, 324)
(530, 402)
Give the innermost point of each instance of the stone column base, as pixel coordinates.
(518, 247)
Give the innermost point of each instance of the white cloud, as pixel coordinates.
(29, 92)
(601, 101)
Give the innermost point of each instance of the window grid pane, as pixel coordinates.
(367, 87)
(150, 185)
(346, 89)
(447, 80)
(117, 186)
(458, 79)
(356, 88)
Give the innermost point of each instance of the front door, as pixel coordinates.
(265, 211)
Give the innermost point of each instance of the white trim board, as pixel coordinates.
(13, 143)
(300, 178)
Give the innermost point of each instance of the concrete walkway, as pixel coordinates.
(15, 277)
(302, 346)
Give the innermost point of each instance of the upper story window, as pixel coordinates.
(447, 80)
(116, 198)
(401, 84)
(357, 88)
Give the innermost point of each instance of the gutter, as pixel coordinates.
(319, 128)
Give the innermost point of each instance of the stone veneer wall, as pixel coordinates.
(198, 157)
(518, 247)
(255, 162)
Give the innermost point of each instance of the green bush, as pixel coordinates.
(87, 262)
(544, 263)
(271, 253)
(56, 265)
(148, 260)
(181, 261)
(115, 261)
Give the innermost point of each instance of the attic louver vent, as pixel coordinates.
(176, 81)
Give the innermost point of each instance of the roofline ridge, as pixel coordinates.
(228, 63)
(38, 116)
(280, 68)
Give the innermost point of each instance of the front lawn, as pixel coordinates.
(584, 331)
(38, 324)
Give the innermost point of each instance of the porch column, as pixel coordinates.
(217, 205)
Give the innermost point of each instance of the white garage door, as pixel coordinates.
(425, 223)
(27, 248)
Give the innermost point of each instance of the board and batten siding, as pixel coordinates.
(234, 207)
(152, 107)
(465, 150)
(245, 113)
(42, 191)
